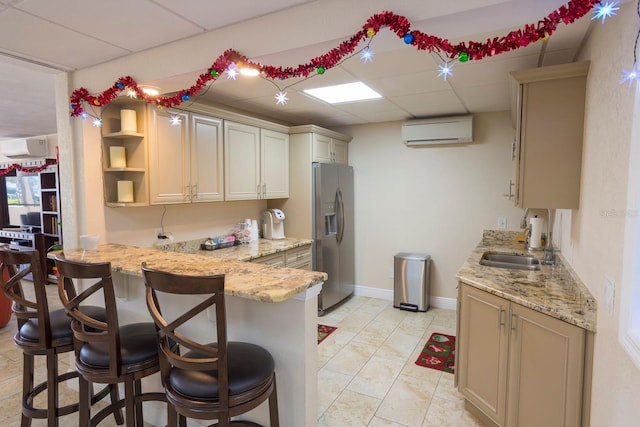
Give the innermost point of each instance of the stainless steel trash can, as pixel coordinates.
(411, 281)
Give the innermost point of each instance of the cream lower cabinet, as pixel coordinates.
(185, 158)
(256, 163)
(517, 366)
(299, 258)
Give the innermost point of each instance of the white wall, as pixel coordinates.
(434, 200)
(593, 236)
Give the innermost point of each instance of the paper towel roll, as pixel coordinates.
(117, 157)
(536, 232)
(125, 191)
(128, 122)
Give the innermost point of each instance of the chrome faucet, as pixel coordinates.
(527, 230)
(549, 252)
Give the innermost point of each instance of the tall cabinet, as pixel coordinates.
(550, 104)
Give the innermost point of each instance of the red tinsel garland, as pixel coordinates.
(400, 25)
(21, 168)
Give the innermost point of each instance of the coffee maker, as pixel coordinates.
(273, 224)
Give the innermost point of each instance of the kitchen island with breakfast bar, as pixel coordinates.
(270, 306)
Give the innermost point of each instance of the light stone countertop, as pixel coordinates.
(243, 279)
(262, 247)
(554, 290)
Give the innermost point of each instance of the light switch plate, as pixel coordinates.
(502, 223)
(609, 294)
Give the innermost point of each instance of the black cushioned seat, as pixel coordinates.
(138, 342)
(60, 324)
(249, 364)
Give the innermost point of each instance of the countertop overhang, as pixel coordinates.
(253, 250)
(243, 279)
(553, 290)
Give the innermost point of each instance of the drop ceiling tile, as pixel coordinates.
(220, 15)
(121, 19)
(432, 103)
(486, 98)
(393, 85)
(31, 37)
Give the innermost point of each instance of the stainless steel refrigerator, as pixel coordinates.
(333, 231)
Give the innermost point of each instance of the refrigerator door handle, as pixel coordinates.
(340, 209)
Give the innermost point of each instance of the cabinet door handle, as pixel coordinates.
(500, 321)
(187, 190)
(264, 190)
(510, 194)
(194, 190)
(514, 319)
(258, 191)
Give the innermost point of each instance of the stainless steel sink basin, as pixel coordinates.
(510, 261)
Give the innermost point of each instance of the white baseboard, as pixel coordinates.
(387, 295)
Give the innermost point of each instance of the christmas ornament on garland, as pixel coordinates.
(232, 62)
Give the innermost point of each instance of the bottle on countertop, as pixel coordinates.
(254, 231)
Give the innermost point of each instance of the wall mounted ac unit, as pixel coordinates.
(23, 148)
(441, 130)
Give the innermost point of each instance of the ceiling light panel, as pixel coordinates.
(348, 92)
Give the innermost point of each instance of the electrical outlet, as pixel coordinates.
(502, 223)
(609, 294)
(161, 235)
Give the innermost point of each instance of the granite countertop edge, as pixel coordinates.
(249, 252)
(253, 281)
(554, 290)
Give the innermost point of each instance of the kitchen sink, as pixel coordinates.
(510, 261)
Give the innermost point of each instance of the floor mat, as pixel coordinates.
(439, 353)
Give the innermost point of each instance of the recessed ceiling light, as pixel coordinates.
(151, 90)
(349, 92)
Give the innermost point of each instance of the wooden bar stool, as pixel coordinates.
(105, 351)
(216, 380)
(40, 333)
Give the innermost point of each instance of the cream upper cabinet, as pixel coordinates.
(169, 180)
(550, 104)
(186, 158)
(518, 366)
(256, 163)
(274, 164)
(329, 150)
(207, 160)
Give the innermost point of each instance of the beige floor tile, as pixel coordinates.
(356, 321)
(330, 385)
(332, 345)
(375, 333)
(350, 409)
(351, 358)
(398, 345)
(406, 403)
(376, 377)
(381, 422)
(448, 413)
(416, 323)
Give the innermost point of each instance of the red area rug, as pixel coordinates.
(324, 331)
(439, 353)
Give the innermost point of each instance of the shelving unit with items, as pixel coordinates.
(50, 215)
(124, 154)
